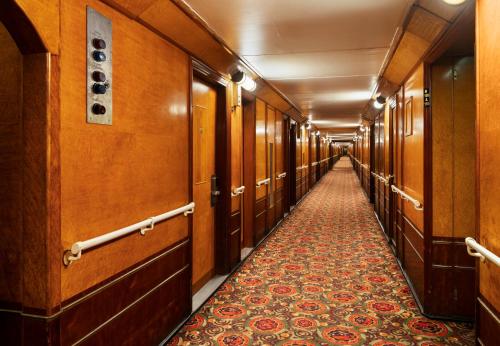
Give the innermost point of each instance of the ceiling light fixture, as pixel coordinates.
(454, 2)
(379, 102)
(241, 78)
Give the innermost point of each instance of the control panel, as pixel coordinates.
(99, 69)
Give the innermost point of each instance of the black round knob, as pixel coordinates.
(99, 56)
(99, 43)
(98, 109)
(98, 76)
(98, 88)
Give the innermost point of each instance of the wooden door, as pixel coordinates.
(260, 171)
(376, 166)
(390, 120)
(397, 152)
(204, 120)
(248, 172)
(412, 180)
(271, 167)
(381, 169)
(280, 165)
(298, 163)
(488, 175)
(292, 164)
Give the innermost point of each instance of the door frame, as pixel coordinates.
(292, 164)
(223, 158)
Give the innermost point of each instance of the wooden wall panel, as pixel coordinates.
(260, 147)
(236, 152)
(453, 147)
(280, 164)
(488, 147)
(271, 164)
(249, 165)
(44, 14)
(204, 104)
(113, 176)
(11, 69)
(41, 228)
(413, 136)
(464, 148)
(299, 162)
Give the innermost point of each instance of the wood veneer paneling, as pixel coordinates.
(413, 162)
(488, 147)
(204, 108)
(260, 219)
(113, 176)
(44, 16)
(11, 68)
(260, 147)
(249, 166)
(453, 147)
(236, 152)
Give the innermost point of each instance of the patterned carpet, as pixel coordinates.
(325, 277)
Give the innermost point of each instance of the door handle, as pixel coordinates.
(214, 191)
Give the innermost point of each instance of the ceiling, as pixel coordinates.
(324, 55)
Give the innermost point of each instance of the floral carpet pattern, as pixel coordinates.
(325, 277)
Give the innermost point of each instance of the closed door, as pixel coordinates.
(261, 173)
(279, 164)
(204, 118)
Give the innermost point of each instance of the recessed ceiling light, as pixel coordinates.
(454, 2)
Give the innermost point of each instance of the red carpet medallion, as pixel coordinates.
(325, 277)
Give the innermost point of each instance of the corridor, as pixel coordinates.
(326, 276)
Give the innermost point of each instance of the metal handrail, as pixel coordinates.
(75, 252)
(416, 203)
(281, 176)
(263, 182)
(477, 250)
(237, 191)
(314, 164)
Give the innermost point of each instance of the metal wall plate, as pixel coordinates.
(99, 28)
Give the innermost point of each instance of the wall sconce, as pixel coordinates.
(308, 125)
(317, 133)
(362, 128)
(379, 102)
(241, 78)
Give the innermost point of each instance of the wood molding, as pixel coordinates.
(161, 285)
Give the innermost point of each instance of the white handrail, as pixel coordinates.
(381, 178)
(263, 182)
(416, 203)
(75, 253)
(314, 164)
(480, 251)
(237, 191)
(281, 176)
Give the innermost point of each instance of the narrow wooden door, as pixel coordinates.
(280, 167)
(204, 119)
(488, 179)
(271, 167)
(260, 171)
